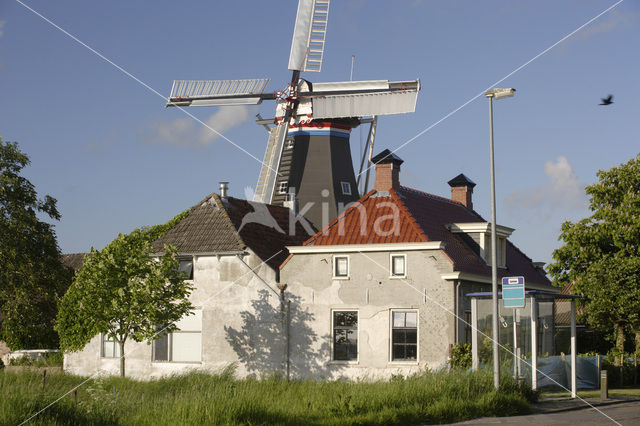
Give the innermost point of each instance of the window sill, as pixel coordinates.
(176, 362)
(397, 277)
(403, 363)
(334, 362)
(342, 278)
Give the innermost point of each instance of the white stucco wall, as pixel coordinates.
(234, 302)
(374, 295)
(242, 320)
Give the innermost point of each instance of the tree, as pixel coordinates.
(601, 253)
(32, 276)
(124, 293)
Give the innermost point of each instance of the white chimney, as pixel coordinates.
(224, 189)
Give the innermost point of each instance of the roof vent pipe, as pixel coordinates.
(224, 189)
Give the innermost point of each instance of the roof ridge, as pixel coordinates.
(331, 224)
(439, 197)
(432, 195)
(412, 219)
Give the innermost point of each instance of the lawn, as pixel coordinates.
(200, 398)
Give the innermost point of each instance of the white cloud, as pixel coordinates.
(184, 131)
(610, 22)
(222, 120)
(562, 190)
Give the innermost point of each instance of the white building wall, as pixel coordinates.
(373, 294)
(234, 302)
(242, 320)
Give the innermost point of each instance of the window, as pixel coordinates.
(346, 188)
(398, 265)
(467, 327)
(502, 252)
(184, 344)
(109, 347)
(345, 335)
(341, 267)
(282, 187)
(186, 265)
(404, 336)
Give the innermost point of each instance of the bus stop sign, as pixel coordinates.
(513, 292)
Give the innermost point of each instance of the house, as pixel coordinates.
(375, 293)
(231, 250)
(381, 286)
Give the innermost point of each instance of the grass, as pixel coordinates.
(200, 398)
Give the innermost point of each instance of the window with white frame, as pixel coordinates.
(109, 348)
(346, 188)
(398, 265)
(404, 336)
(184, 344)
(502, 252)
(345, 335)
(185, 264)
(282, 187)
(341, 266)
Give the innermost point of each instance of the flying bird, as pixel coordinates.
(607, 101)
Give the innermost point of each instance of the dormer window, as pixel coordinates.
(477, 235)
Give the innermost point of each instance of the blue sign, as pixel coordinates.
(513, 292)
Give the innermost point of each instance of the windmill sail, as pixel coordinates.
(364, 98)
(268, 172)
(217, 92)
(309, 33)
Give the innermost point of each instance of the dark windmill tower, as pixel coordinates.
(307, 154)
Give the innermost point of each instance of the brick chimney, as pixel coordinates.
(387, 171)
(462, 190)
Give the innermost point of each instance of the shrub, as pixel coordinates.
(461, 356)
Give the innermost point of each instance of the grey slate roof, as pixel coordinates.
(213, 226)
(206, 229)
(73, 260)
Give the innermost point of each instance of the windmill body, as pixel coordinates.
(308, 156)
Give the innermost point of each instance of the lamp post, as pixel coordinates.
(495, 94)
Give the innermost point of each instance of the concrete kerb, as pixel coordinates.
(559, 405)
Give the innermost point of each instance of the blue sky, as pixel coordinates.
(106, 148)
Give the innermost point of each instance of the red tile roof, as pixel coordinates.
(420, 217)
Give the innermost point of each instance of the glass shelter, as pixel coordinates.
(533, 338)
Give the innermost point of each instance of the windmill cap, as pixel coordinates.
(461, 180)
(386, 157)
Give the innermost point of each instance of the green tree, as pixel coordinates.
(124, 293)
(600, 254)
(32, 276)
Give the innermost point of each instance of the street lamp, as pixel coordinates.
(495, 94)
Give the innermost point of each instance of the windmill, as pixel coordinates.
(308, 155)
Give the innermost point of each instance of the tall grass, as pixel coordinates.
(200, 398)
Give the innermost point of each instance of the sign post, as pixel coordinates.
(513, 297)
(513, 292)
